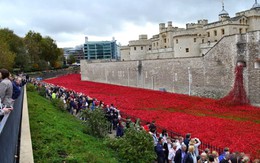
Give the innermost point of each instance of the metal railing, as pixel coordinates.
(173, 134)
(10, 131)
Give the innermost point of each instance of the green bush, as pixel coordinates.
(42, 91)
(58, 103)
(96, 124)
(30, 87)
(134, 146)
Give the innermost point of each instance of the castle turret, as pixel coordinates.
(161, 26)
(223, 15)
(256, 5)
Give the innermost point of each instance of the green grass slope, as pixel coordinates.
(58, 136)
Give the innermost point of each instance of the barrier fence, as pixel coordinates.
(10, 132)
(173, 134)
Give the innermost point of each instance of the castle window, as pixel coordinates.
(142, 48)
(208, 34)
(223, 31)
(202, 41)
(134, 48)
(157, 43)
(257, 63)
(240, 21)
(246, 21)
(215, 33)
(177, 41)
(195, 40)
(187, 50)
(240, 30)
(165, 40)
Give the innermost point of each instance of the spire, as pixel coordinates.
(256, 5)
(223, 12)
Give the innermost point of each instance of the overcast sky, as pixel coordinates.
(69, 21)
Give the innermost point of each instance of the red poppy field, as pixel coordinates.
(237, 127)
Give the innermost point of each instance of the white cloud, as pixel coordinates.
(68, 22)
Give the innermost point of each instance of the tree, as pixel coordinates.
(134, 146)
(50, 51)
(71, 59)
(16, 46)
(32, 42)
(6, 56)
(96, 124)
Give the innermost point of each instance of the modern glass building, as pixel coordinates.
(100, 50)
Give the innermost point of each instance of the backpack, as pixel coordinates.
(16, 91)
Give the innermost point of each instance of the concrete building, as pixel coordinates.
(77, 52)
(94, 50)
(193, 41)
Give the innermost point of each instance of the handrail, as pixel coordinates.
(3, 122)
(9, 132)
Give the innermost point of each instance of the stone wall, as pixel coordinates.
(209, 76)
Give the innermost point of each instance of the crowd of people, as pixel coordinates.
(10, 89)
(167, 149)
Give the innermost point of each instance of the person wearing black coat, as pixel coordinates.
(180, 154)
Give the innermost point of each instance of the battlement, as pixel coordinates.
(199, 24)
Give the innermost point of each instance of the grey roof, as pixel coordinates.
(256, 5)
(223, 13)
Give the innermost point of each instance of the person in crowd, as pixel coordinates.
(6, 89)
(245, 159)
(152, 126)
(187, 140)
(221, 157)
(235, 157)
(146, 127)
(190, 157)
(155, 140)
(203, 158)
(115, 119)
(129, 123)
(160, 151)
(256, 161)
(17, 84)
(226, 158)
(215, 155)
(138, 125)
(211, 159)
(179, 142)
(172, 153)
(53, 95)
(167, 145)
(4, 111)
(110, 120)
(196, 143)
(207, 151)
(164, 135)
(120, 129)
(180, 154)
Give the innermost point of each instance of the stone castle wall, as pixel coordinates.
(209, 76)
